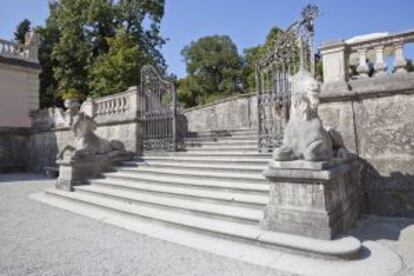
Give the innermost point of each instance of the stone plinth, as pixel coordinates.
(77, 172)
(314, 199)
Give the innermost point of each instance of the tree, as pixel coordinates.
(50, 36)
(131, 14)
(252, 56)
(118, 69)
(80, 33)
(214, 69)
(21, 30)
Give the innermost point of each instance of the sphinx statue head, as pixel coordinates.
(305, 137)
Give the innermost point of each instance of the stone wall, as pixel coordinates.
(376, 119)
(13, 148)
(233, 113)
(45, 145)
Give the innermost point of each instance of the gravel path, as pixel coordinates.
(36, 239)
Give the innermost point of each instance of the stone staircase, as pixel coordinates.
(216, 187)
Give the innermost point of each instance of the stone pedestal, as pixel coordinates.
(77, 172)
(314, 199)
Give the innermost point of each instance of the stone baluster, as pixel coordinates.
(380, 65)
(400, 61)
(362, 68)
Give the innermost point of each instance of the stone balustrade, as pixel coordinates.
(367, 54)
(117, 107)
(27, 51)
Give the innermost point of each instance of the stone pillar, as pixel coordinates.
(400, 62)
(362, 68)
(335, 64)
(88, 107)
(314, 199)
(380, 66)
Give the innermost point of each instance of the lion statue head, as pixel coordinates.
(304, 100)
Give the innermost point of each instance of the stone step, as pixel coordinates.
(192, 206)
(237, 186)
(196, 174)
(90, 204)
(230, 142)
(248, 137)
(226, 148)
(209, 160)
(252, 196)
(215, 154)
(194, 165)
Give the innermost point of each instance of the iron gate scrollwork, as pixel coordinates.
(292, 50)
(158, 111)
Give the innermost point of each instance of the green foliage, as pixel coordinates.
(213, 66)
(72, 51)
(21, 30)
(252, 56)
(82, 46)
(118, 69)
(50, 36)
(410, 66)
(71, 94)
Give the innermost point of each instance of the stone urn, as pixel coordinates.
(72, 105)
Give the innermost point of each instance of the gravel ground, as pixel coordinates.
(36, 239)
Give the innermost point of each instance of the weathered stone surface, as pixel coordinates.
(13, 147)
(339, 115)
(376, 119)
(77, 172)
(319, 204)
(385, 129)
(130, 134)
(229, 114)
(308, 165)
(44, 146)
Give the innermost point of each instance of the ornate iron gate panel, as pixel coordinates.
(158, 111)
(292, 50)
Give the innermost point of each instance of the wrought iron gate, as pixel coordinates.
(158, 111)
(292, 50)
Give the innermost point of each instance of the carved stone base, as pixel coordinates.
(314, 199)
(78, 171)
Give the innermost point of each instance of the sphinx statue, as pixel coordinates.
(305, 137)
(87, 143)
(89, 156)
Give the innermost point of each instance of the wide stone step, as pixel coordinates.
(253, 198)
(196, 174)
(197, 207)
(208, 160)
(195, 184)
(249, 137)
(232, 143)
(215, 154)
(194, 165)
(232, 148)
(343, 248)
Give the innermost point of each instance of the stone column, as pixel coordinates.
(380, 66)
(400, 62)
(314, 199)
(335, 64)
(362, 68)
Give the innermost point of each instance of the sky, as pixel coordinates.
(247, 22)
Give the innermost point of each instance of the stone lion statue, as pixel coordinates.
(87, 143)
(305, 137)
